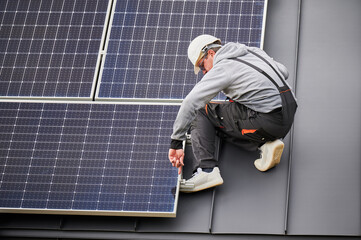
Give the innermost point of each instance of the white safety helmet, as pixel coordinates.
(199, 47)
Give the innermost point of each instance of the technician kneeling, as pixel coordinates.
(259, 114)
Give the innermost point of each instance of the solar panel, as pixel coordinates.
(50, 48)
(146, 56)
(81, 158)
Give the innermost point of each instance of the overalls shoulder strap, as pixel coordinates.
(260, 70)
(269, 64)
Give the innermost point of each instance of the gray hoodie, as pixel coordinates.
(237, 81)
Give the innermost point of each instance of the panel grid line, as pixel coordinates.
(250, 27)
(51, 56)
(166, 45)
(105, 159)
(8, 150)
(117, 50)
(56, 158)
(229, 9)
(239, 22)
(131, 43)
(155, 160)
(87, 51)
(62, 55)
(141, 56)
(12, 72)
(31, 162)
(81, 157)
(27, 57)
(130, 159)
(153, 51)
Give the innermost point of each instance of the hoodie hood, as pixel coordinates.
(230, 50)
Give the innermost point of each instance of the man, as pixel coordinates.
(260, 111)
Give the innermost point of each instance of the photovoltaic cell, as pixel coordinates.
(146, 54)
(93, 158)
(50, 48)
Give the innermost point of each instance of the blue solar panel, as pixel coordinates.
(89, 158)
(50, 48)
(146, 54)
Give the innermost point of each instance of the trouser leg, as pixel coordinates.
(205, 142)
(233, 123)
(215, 123)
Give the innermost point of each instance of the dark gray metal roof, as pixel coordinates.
(315, 191)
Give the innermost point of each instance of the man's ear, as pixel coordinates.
(211, 52)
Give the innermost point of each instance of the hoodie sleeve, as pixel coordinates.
(211, 84)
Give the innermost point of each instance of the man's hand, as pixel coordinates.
(176, 157)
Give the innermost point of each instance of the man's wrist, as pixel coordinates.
(176, 144)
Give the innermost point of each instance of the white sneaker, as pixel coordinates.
(201, 180)
(271, 153)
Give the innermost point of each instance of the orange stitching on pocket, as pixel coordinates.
(245, 131)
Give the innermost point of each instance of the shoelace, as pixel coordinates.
(199, 170)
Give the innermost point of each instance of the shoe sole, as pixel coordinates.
(275, 160)
(204, 186)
